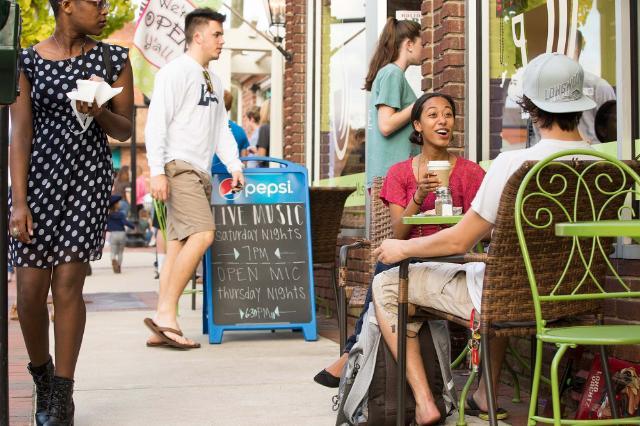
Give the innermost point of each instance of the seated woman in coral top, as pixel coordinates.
(409, 189)
(406, 195)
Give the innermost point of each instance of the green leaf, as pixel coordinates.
(122, 11)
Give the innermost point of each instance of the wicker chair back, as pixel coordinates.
(380, 220)
(327, 205)
(506, 295)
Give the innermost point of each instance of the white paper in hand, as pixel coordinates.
(83, 119)
(106, 92)
(90, 91)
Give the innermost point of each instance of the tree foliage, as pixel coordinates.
(120, 13)
(38, 22)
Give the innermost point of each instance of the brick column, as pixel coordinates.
(294, 95)
(444, 54)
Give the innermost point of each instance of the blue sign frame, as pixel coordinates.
(273, 190)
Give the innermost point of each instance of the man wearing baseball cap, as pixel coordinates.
(552, 95)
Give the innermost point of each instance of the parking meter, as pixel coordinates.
(9, 46)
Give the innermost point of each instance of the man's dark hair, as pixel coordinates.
(254, 114)
(605, 122)
(197, 17)
(567, 121)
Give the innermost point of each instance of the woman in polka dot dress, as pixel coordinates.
(62, 180)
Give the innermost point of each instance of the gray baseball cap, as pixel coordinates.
(554, 82)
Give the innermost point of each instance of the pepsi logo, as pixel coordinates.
(226, 190)
(251, 189)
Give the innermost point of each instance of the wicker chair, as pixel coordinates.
(327, 205)
(379, 230)
(507, 308)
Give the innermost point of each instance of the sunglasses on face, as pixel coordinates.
(100, 4)
(207, 79)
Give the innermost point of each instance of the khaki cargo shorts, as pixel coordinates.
(442, 286)
(188, 206)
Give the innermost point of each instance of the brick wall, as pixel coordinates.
(443, 24)
(294, 83)
(125, 156)
(249, 97)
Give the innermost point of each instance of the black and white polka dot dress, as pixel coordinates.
(70, 176)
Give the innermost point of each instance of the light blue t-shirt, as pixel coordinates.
(392, 89)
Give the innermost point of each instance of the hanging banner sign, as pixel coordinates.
(159, 37)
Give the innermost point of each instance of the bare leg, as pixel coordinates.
(167, 268)
(161, 248)
(426, 410)
(335, 369)
(33, 289)
(71, 315)
(181, 260)
(160, 251)
(498, 349)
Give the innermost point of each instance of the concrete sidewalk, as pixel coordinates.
(251, 378)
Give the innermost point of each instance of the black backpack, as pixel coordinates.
(382, 391)
(379, 405)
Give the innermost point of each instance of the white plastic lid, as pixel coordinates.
(438, 165)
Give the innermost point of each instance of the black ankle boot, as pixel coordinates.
(61, 406)
(42, 377)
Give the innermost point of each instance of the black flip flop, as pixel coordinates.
(475, 411)
(327, 379)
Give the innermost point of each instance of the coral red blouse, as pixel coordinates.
(400, 185)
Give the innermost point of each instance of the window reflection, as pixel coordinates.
(343, 102)
(520, 30)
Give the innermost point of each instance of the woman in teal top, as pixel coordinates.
(391, 98)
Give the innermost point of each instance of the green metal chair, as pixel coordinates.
(578, 204)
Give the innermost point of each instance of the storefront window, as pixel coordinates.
(520, 30)
(343, 102)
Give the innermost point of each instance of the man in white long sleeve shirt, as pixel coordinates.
(186, 125)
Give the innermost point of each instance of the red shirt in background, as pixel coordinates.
(141, 189)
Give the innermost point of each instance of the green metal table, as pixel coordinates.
(603, 228)
(432, 220)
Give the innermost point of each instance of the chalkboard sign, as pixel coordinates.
(259, 269)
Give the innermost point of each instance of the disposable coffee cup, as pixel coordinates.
(87, 90)
(440, 168)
